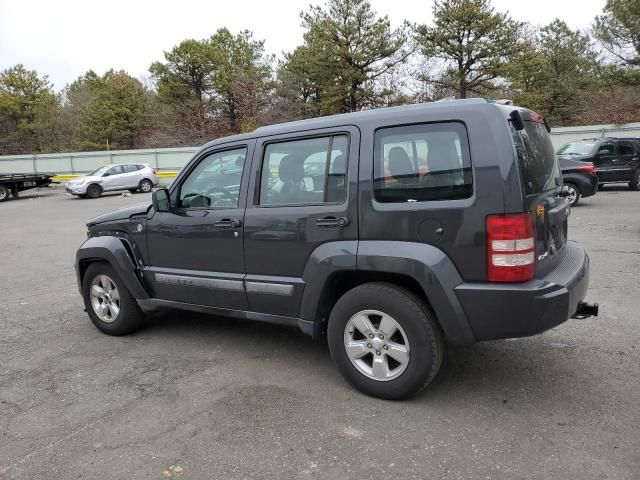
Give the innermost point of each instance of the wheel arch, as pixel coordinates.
(420, 268)
(118, 253)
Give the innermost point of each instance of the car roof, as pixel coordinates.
(355, 118)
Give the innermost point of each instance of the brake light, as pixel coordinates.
(510, 247)
(587, 168)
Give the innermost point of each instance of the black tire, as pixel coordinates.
(145, 185)
(5, 193)
(93, 191)
(635, 180)
(426, 343)
(129, 318)
(575, 193)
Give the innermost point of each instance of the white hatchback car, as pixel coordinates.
(125, 176)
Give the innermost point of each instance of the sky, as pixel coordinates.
(65, 38)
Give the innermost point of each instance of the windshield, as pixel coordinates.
(96, 172)
(577, 148)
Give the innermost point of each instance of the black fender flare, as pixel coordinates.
(429, 266)
(432, 269)
(111, 249)
(325, 260)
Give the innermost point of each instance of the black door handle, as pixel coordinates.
(332, 222)
(228, 223)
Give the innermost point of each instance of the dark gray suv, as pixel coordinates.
(393, 231)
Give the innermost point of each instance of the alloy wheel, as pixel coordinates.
(105, 298)
(376, 345)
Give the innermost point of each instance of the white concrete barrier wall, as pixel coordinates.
(172, 159)
(163, 159)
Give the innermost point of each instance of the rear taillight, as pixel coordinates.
(510, 247)
(587, 168)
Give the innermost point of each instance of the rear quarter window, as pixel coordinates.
(416, 163)
(536, 157)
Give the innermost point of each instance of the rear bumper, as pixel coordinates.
(497, 311)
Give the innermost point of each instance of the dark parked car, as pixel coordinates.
(427, 224)
(579, 178)
(617, 160)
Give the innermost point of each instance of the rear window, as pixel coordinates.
(538, 164)
(417, 163)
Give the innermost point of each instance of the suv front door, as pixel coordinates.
(195, 248)
(605, 162)
(303, 195)
(113, 178)
(625, 161)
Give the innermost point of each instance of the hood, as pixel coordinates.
(120, 214)
(574, 157)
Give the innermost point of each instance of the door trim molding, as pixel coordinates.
(269, 288)
(184, 281)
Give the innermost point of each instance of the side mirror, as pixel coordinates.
(106, 174)
(604, 151)
(160, 200)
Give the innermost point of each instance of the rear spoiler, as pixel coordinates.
(518, 122)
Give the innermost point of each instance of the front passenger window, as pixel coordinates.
(117, 170)
(215, 182)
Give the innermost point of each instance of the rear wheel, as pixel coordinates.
(635, 180)
(574, 194)
(94, 191)
(4, 193)
(111, 307)
(145, 186)
(385, 340)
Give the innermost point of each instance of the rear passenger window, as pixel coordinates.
(626, 148)
(130, 168)
(306, 171)
(422, 162)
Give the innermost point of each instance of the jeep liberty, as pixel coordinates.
(392, 231)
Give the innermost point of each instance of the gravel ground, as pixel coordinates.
(193, 397)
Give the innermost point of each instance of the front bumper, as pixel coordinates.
(497, 310)
(75, 189)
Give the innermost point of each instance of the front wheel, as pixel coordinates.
(574, 194)
(93, 191)
(110, 306)
(385, 340)
(145, 186)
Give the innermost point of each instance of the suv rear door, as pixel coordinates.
(132, 175)
(542, 181)
(302, 195)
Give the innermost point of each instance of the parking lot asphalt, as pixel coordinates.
(195, 397)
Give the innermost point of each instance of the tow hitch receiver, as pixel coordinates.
(586, 310)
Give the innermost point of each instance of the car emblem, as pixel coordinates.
(139, 227)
